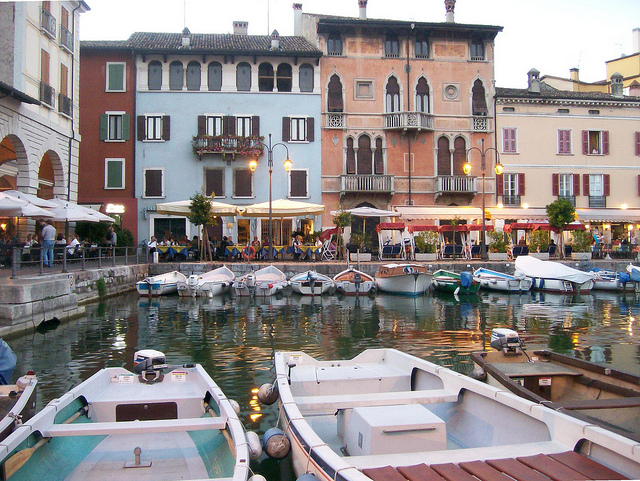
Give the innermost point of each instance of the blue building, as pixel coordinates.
(206, 105)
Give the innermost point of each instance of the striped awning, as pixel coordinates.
(608, 215)
(425, 212)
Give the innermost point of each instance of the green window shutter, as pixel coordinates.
(114, 174)
(126, 119)
(104, 122)
(116, 77)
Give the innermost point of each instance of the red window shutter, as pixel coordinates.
(520, 184)
(637, 143)
(202, 125)
(141, 128)
(605, 142)
(499, 184)
(555, 181)
(286, 129)
(310, 129)
(255, 126)
(585, 184)
(585, 142)
(166, 128)
(576, 184)
(606, 184)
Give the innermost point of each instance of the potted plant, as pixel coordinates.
(426, 243)
(361, 241)
(498, 245)
(581, 241)
(539, 244)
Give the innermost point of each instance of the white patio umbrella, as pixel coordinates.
(183, 207)
(282, 208)
(13, 207)
(34, 199)
(73, 212)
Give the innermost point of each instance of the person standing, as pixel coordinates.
(48, 239)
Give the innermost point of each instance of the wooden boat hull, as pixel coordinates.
(579, 388)
(160, 285)
(357, 419)
(404, 279)
(311, 283)
(353, 282)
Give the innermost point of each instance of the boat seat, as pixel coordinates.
(517, 470)
(134, 427)
(482, 470)
(385, 473)
(452, 472)
(586, 466)
(551, 468)
(419, 472)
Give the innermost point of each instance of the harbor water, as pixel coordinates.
(234, 338)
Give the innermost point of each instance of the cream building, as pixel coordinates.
(584, 146)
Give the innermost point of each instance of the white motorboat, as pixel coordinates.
(500, 281)
(17, 400)
(160, 285)
(155, 423)
(386, 415)
(554, 276)
(406, 279)
(311, 283)
(262, 283)
(634, 273)
(352, 282)
(213, 283)
(607, 280)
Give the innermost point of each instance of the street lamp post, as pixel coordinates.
(287, 166)
(467, 171)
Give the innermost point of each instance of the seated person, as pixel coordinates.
(297, 243)
(74, 247)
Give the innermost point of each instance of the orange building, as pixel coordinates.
(402, 104)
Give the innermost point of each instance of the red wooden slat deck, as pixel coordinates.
(452, 472)
(586, 466)
(517, 470)
(551, 468)
(419, 472)
(484, 472)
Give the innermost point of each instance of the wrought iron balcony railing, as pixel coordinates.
(335, 120)
(366, 183)
(251, 146)
(597, 201)
(511, 200)
(64, 104)
(66, 39)
(570, 198)
(408, 121)
(480, 123)
(47, 95)
(456, 184)
(48, 23)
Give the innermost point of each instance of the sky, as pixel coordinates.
(549, 35)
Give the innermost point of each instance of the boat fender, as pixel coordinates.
(624, 277)
(257, 477)
(275, 443)
(478, 374)
(268, 394)
(307, 477)
(455, 293)
(466, 279)
(235, 406)
(485, 283)
(255, 448)
(210, 294)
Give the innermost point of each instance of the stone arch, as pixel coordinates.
(51, 176)
(478, 95)
(13, 154)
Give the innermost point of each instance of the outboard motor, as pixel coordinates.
(192, 282)
(505, 340)
(251, 281)
(149, 363)
(312, 282)
(357, 280)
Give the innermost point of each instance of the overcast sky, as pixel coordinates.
(550, 35)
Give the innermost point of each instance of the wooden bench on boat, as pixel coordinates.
(566, 466)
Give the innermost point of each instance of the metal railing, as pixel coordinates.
(366, 183)
(456, 183)
(64, 104)
(66, 39)
(597, 201)
(250, 146)
(511, 200)
(570, 198)
(48, 22)
(335, 120)
(47, 95)
(408, 120)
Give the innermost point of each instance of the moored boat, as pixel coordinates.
(17, 400)
(213, 283)
(591, 392)
(262, 283)
(553, 276)
(160, 285)
(353, 282)
(500, 281)
(386, 415)
(406, 279)
(607, 280)
(311, 283)
(155, 423)
(455, 283)
(634, 273)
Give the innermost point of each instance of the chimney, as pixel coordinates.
(534, 81)
(275, 40)
(574, 74)
(186, 37)
(297, 19)
(616, 85)
(450, 5)
(636, 40)
(362, 4)
(240, 28)
(634, 89)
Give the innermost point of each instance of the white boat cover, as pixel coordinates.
(534, 267)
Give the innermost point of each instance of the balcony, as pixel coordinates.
(48, 23)
(47, 95)
(511, 200)
(570, 198)
(597, 202)
(456, 184)
(335, 120)
(408, 121)
(480, 123)
(228, 145)
(366, 183)
(66, 39)
(64, 104)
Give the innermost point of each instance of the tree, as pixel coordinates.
(201, 215)
(561, 213)
(342, 220)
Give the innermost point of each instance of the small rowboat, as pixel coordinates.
(213, 283)
(353, 282)
(607, 280)
(311, 283)
(500, 281)
(160, 285)
(264, 282)
(454, 283)
(406, 279)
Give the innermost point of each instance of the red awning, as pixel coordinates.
(390, 226)
(328, 233)
(422, 228)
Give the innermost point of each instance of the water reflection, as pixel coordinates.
(234, 338)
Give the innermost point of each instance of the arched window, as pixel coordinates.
(392, 98)
(421, 47)
(444, 157)
(215, 76)
(422, 96)
(306, 77)
(194, 76)
(351, 157)
(243, 77)
(391, 46)
(334, 97)
(334, 44)
(378, 159)
(459, 155)
(176, 75)
(284, 77)
(478, 101)
(265, 77)
(155, 75)
(364, 156)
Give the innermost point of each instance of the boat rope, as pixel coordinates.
(335, 474)
(311, 448)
